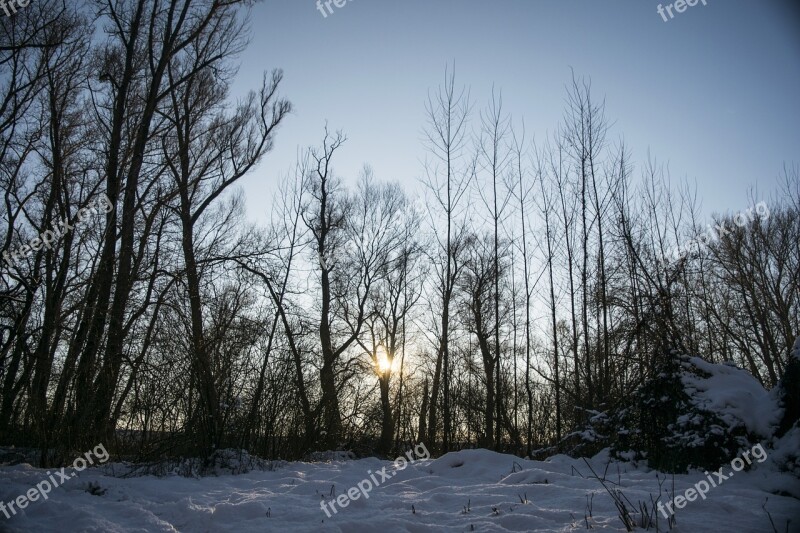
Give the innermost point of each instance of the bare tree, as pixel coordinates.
(387, 224)
(447, 179)
(206, 151)
(494, 158)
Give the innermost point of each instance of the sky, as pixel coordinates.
(712, 92)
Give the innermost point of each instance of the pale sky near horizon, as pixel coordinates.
(713, 92)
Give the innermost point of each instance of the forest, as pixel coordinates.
(528, 284)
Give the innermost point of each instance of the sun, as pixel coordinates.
(383, 364)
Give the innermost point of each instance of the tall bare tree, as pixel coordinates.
(447, 179)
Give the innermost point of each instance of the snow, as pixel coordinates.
(735, 395)
(470, 490)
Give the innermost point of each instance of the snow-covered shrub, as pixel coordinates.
(230, 461)
(222, 462)
(329, 456)
(785, 454)
(662, 425)
(787, 393)
(14, 456)
(694, 414)
(586, 442)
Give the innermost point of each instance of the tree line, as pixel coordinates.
(521, 292)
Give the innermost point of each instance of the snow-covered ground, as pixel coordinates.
(470, 490)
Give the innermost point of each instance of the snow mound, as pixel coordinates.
(482, 465)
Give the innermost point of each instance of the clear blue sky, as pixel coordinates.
(712, 92)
